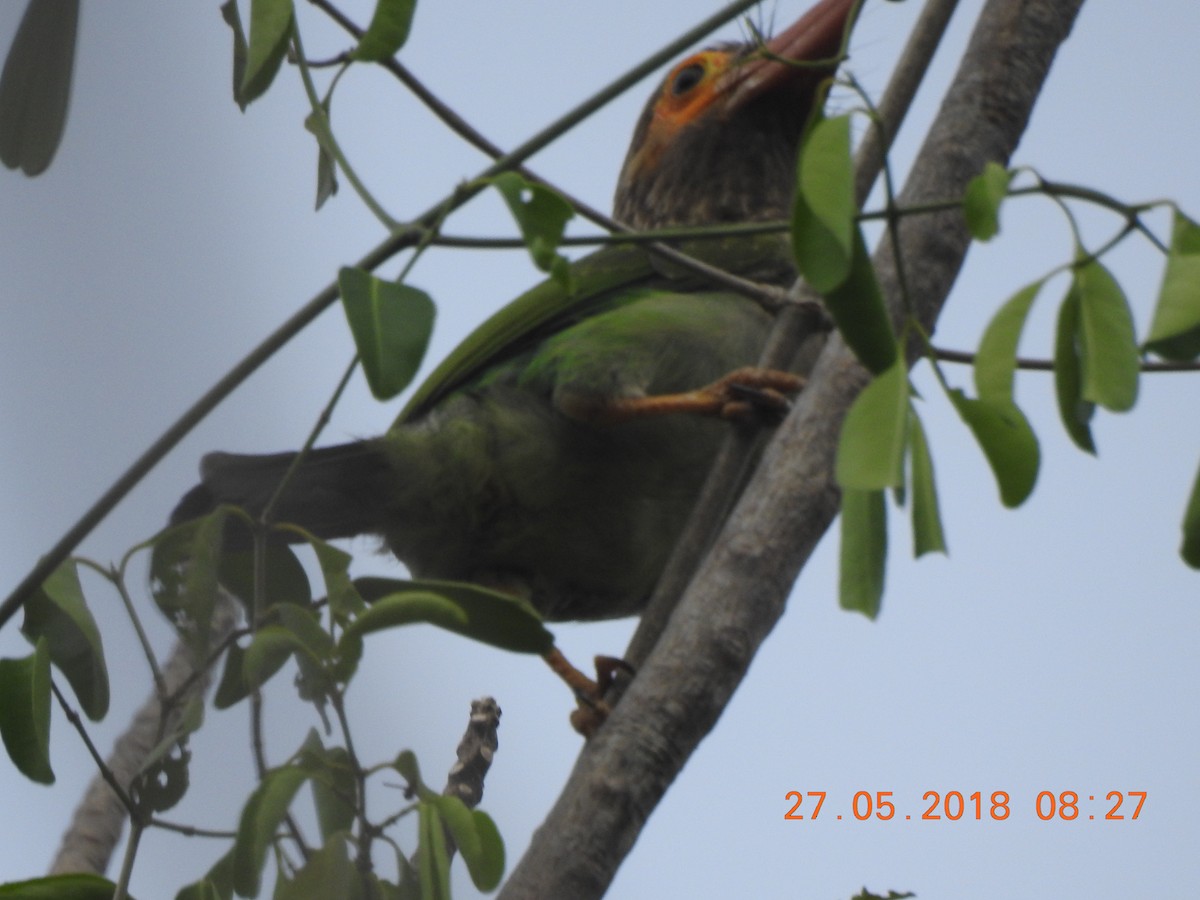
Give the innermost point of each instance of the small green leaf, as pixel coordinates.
(333, 787)
(25, 712)
(1007, 441)
(871, 448)
(1073, 409)
(232, 688)
(926, 518)
(433, 861)
(857, 308)
(823, 211)
(407, 608)
(1190, 550)
(217, 884)
(477, 839)
(270, 31)
(261, 817)
(163, 784)
(407, 767)
(35, 86)
(204, 889)
(60, 887)
(241, 51)
(286, 581)
(58, 612)
(327, 183)
(500, 620)
(329, 872)
(996, 359)
(266, 654)
(391, 324)
(387, 32)
(344, 600)
(981, 201)
(1110, 351)
(542, 215)
(1175, 331)
(863, 552)
(184, 566)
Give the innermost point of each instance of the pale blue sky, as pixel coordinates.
(1054, 649)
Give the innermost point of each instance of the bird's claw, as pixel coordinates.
(750, 392)
(592, 709)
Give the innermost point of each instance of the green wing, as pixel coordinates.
(600, 280)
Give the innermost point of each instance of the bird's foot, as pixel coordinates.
(744, 394)
(592, 708)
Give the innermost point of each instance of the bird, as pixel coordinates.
(557, 453)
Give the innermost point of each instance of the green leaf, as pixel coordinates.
(981, 201)
(1073, 409)
(286, 581)
(344, 600)
(333, 788)
(262, 815)
(35, 87)
(391, 324)
(871, 448)
(387, 32)
(823, 211)
(1110, 351)
(542, 215)
(60, 887)
(184, 566)
(217, 884)
(1190, 550)
(996, 359)
(1175, 331)
(202, 889)
(477, 839)
(926, 518)
(270, 31)
(318, 126)
(266, 654)
(232, 688)
(329, 872)
(863, 551)
(857, 308)
(163, 783)
(25, 712)
(241, 51)
(58, 612)
(1007, 441)
(500, 620)
(433, 862)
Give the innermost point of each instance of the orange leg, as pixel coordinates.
(740, 395)
(589, 694)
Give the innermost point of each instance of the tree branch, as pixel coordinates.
(702, 656)
(89, 841)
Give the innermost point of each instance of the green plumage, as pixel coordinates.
(488, 476)
(509, 466)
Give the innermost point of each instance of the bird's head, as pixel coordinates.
(717, 141)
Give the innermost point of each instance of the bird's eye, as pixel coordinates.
(686, 79)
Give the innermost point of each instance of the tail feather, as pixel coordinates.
(337, 491)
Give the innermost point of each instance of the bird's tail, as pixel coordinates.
(337, 491)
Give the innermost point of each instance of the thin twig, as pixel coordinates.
(1047, 365)
(105, 772)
